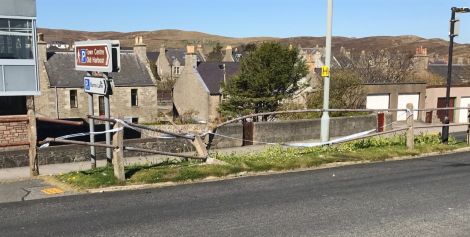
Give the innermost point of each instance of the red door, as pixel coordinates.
(441, 114)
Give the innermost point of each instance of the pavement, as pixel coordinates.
(16, 184)
(418, 197)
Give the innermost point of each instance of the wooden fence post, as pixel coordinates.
(32, 135)
(118, 153)
(200, 147)
(410, 135)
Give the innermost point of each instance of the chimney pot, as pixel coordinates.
(190, 49)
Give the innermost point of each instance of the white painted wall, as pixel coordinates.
(403, 100)
(378, 101)
(464, 102)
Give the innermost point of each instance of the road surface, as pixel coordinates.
(422, 197)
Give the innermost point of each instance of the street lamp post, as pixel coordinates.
(325, 119)
(452, 35)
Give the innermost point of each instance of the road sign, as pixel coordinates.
(96, 85)
(325, 71)
(97, 56)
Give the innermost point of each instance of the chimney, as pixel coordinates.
(140, 49)
(42, 48)
(190, 59)
(421, 59)
(162, 50)
(228, 55)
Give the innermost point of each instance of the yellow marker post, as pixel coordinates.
(325, 71)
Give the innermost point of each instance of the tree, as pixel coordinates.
(383, 66)
(216, 54)
(346, 92)
(248, 48)
(267, 76)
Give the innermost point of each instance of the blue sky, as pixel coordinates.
(244, 18)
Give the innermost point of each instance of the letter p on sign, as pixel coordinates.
(83, 56)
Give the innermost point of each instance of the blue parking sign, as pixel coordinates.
(87, 84)
(83, 55)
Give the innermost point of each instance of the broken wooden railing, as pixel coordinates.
(31, 118)
(119, 148)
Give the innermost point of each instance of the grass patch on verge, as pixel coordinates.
(275, 158)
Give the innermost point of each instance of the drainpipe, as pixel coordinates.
(56, 103)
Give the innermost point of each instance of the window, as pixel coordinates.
(17, 57)
(134, 98)
(176, 70)
(135, 120)
(16, 39)
(73, 99)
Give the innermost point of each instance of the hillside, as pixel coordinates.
(179, 38)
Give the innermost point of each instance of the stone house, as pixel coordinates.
(170, 62)
(62, 96)
(198, 89)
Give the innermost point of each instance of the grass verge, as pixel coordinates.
(275, 158)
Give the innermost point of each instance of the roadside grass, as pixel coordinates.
(275, 158)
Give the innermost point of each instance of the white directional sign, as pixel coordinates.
(96, 85)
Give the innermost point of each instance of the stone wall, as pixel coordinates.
(302, 130)
(13, 133)
(74, 153)
(190, 94)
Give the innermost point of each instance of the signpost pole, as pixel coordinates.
(97, 56)
(107, 125)
(325, 119)
(92, 128)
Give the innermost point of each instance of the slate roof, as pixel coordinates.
(212, 74)
(460, 73)
(60, 67)
(172, 54)
(153, 56)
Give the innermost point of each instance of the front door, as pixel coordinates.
(441, 114)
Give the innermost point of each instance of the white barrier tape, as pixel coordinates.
(165, 136)
(82, 135)
(240, 139)
(342, 139)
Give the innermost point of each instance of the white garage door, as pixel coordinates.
(378, 101)
(403, 100)
(464, 102)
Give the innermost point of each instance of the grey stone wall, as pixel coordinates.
(301, 130)
(190, 94)
(74, 153)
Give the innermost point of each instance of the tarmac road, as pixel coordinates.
(421, 197)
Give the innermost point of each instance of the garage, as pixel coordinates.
(463, 113)
(378, 101)
(403, 100)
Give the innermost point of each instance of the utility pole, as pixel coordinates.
(325, 119)
(452, 35)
